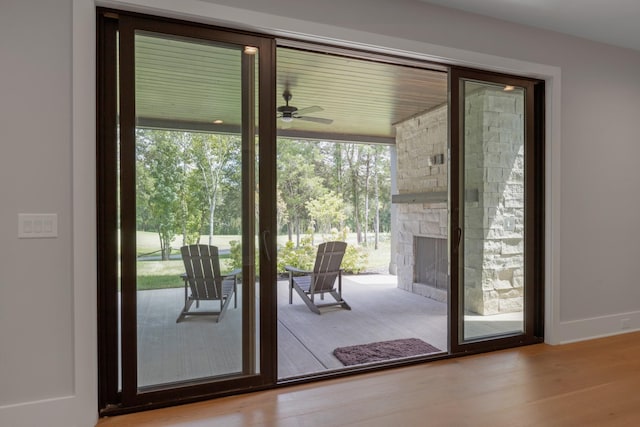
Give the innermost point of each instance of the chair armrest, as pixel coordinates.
(296, 270)
(183, 276)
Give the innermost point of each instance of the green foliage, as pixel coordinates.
(355, 260)
(304, 256)
(326, 210)
(215, 160)
(301, 257)
(235, 254)
(189, 185)
(298, 181)
(159, 164)
(355, 257)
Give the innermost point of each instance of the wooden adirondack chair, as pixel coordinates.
(322, 279)
(203, 281)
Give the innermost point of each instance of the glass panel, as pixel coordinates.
(362, 162)
(493, 285)
(192, 133)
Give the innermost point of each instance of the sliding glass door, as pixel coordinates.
(496, 205)
(190, 219)
(189, 306)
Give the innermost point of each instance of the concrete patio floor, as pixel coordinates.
(198, 347)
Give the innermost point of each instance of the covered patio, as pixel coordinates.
(198, 347)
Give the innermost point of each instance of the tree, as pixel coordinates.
(381, 171)
(297, 181)
(352, 157)
(189, 192)
(212, 155)
(159, 163)
(367, 160)
(326, 211)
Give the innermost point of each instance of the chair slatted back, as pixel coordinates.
(202, 266)
(327, 266)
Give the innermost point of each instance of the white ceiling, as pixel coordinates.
(615, 22)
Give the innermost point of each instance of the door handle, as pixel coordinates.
(265, 233)
(458, 238)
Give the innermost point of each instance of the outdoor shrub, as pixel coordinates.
(235, 256)
(355, 257)
(355, 260)
(304, 256)
(301, 257)
(235, 253)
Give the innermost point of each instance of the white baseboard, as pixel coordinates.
(55, 412)
(598, 327)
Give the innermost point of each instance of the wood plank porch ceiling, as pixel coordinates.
(185, 85)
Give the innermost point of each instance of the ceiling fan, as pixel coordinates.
(287, 112)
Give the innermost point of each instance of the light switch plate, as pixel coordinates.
(37, 226)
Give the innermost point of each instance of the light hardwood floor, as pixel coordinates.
(591, 383)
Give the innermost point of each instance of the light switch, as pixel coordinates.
(37, 226)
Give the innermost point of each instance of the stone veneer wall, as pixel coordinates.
(494, 224)
(418, 139)
(494, 221)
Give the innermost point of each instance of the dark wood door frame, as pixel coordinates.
(534, 211)
(115, 45)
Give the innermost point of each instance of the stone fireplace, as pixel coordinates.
(421, 204)
(493, 206)
(431, 266)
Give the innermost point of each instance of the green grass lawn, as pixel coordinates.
(148, 242)
(159, 274)
(166, 274)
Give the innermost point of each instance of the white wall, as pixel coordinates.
(47, 303)
(36, 318)
(47, 287)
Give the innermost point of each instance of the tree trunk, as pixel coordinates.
(377, 201)
(356, 211)
(353, 160)
(290, 230)
(165, 248)
(339, 177)
(183, 204)
(366, 197)
(212, 211)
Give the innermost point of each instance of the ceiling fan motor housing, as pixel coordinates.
(288, 112)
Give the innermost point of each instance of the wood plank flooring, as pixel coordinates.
(591, 383)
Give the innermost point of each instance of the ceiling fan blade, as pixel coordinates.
(312, 109)
(315, 119)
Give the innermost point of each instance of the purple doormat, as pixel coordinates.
(383, 350)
